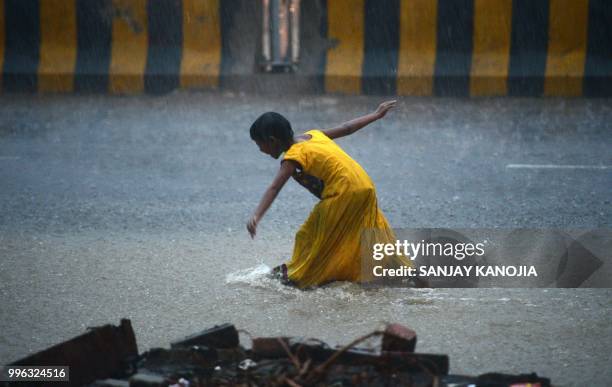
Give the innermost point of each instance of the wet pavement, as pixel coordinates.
(135, 207)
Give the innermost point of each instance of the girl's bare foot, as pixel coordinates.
(280, 273)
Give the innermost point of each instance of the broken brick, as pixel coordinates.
(398, 338)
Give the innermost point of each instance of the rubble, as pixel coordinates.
(97, 354)
(399, 338)
(222, 336)
(215, 356)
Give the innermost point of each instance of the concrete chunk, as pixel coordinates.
(160, 359)
(269, 347)
(101, 353)
(221, 336)
(398, 338)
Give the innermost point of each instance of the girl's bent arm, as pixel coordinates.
(354, 125)
(286, 170)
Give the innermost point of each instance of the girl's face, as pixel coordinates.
(270, 147)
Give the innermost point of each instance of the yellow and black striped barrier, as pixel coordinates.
(470, 47)
(116, 46)
(403, 47)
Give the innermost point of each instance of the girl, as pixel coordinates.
(327, 246)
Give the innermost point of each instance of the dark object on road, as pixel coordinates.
(215, 357)
(222, 336)
(103, 352)
(399, 338)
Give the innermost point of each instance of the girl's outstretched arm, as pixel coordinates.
(286, 170)
(354, 125)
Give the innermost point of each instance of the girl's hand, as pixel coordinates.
(252, 226)
(384, 107)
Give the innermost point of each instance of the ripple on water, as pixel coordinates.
(258, 278)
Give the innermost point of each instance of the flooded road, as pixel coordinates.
(136, 207)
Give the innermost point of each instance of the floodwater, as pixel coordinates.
(136, 207)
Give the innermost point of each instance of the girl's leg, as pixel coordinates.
(280, 273)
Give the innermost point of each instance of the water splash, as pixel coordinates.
(259, 277)
(254, 276)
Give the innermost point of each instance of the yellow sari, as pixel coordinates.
(328, 246)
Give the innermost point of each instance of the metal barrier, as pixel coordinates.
(280, 34)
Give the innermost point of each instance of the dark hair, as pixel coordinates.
(271, 124)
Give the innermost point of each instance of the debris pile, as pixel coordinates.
(108, 358)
